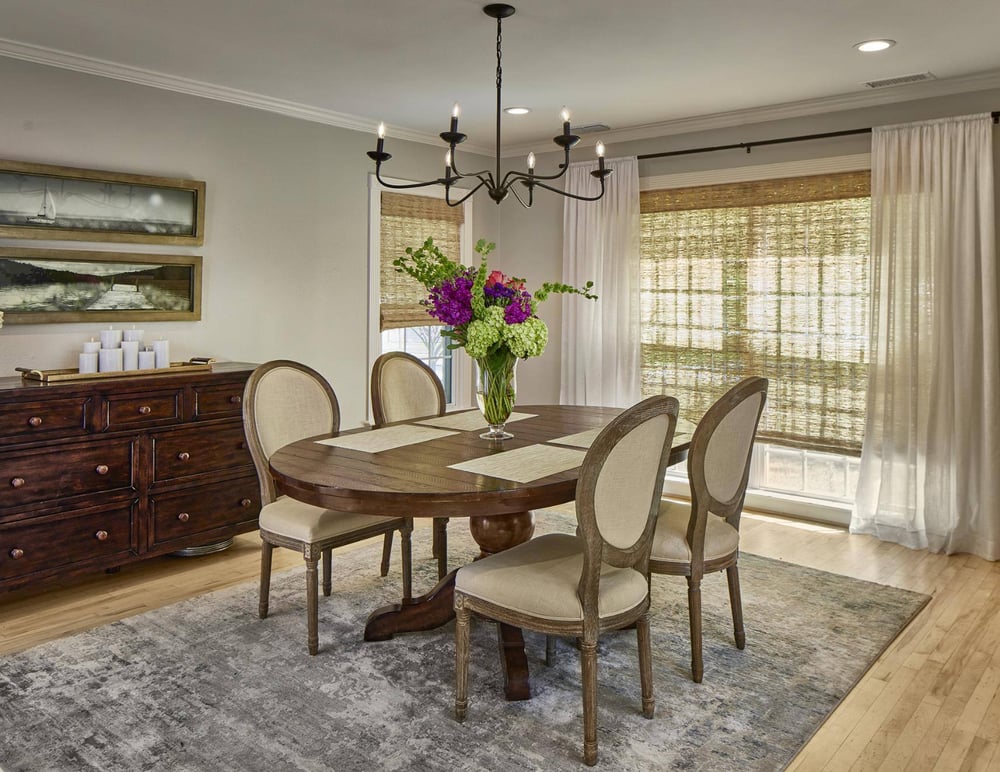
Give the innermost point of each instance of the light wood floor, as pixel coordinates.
(931, 702)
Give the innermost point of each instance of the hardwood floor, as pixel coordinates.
(931, 702)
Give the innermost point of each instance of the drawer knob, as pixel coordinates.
(183, 456)
(16, 553)
(101, 468)
(183, 517)
(236, 399)
(144, 410)
(17, 482)
(245, 502)
(101, 536)
(35, 421)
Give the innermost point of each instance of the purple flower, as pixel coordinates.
(519, 309)
(451, 301)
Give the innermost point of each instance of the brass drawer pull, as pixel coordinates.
(245, 502)
(16, 553)
(34, 421)
(17, 482)
(101, 536)
(101, 469)
(236, 399)
(183, 456)
(145, 410)
(183, 517)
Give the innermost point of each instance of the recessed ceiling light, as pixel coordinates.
(869, 46)
(517, 110)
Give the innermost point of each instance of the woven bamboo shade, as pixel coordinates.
(407, 221)
(762, 278)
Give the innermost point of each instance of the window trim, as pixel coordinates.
(461, 362)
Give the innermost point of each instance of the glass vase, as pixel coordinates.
(496, 390)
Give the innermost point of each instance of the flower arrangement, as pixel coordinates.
(489, 314)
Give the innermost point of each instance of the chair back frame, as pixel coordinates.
(394, 358)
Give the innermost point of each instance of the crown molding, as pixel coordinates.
(869, 98)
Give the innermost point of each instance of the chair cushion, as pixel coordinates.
(297, 520)
(540, 578)
(670, 540)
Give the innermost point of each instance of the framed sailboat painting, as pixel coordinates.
(39, 201)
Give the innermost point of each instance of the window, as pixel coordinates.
(765, 277)
(401, 220)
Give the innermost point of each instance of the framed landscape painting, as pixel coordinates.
(59, 285)
(38, 201)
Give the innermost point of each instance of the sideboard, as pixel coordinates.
(98, 473)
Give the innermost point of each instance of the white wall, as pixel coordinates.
(285, 253)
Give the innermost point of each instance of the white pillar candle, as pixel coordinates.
(88, 362)
(111, 338)
(130, 354)
(147, 360)
(162, 350)
(91, 346)
(132, 334)
(109, 360)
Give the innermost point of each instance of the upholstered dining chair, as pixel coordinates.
(404, 388)
(585, 584)
(704, 536)
(285, 401)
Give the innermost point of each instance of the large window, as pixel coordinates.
(771, 278)
(402, 220)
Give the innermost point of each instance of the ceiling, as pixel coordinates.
(643, 67)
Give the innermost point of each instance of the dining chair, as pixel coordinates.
(403, 388)
(703, 536)
(585, 584)
(285, 401)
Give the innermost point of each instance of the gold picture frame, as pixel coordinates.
(39, 286)
(39, 201)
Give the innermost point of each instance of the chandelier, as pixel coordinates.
(497, 187)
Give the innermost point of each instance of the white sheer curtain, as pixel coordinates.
(930, 464)
(600, 339)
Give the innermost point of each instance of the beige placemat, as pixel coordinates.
(524, 464)
(580, 439)
(386, 439)
(469, 420)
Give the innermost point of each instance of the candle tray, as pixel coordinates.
(59, 376)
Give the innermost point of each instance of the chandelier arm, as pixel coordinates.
(447, 194)
(570, 195)
(383, 183)
(484, 173)
(520, 200)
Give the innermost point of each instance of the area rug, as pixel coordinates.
(206, 685)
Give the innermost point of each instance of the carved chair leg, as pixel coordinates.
(461, 659)
(588, 675)
(440, 548)
(736, 602)
(312, 604)
(550, 650)
(327, 571)
(265, 578)
(386, 553)
(405, 544)
(694, 611)
(645, 665)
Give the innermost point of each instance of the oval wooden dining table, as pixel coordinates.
(419, 480)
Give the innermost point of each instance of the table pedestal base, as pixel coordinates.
(436, 608)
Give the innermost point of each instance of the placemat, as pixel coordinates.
(386, 439)
(580, 439)
(523, 465)
(469, 420)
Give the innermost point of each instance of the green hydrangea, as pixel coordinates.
(526, 339)
(480, 336)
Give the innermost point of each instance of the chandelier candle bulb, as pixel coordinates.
(454, 118)
(531, 162)
(600, 156)
(565, 119)
(381, 138)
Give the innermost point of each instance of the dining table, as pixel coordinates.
(440, 467)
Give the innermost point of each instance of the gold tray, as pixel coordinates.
(58, 376)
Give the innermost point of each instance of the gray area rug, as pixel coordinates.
(205, 685)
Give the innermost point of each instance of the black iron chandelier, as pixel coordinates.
(497, 187)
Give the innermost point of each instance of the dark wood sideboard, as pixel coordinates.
(98, 473)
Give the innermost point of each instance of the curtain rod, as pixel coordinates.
(780, 141)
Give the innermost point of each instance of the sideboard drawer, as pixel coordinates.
(39, 546)
(24, 420)
(70, 470)
(205, 448)
(224, 401)
(140, 410)
(194, 510)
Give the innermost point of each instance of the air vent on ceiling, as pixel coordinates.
(901, 80)
(591, 128)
